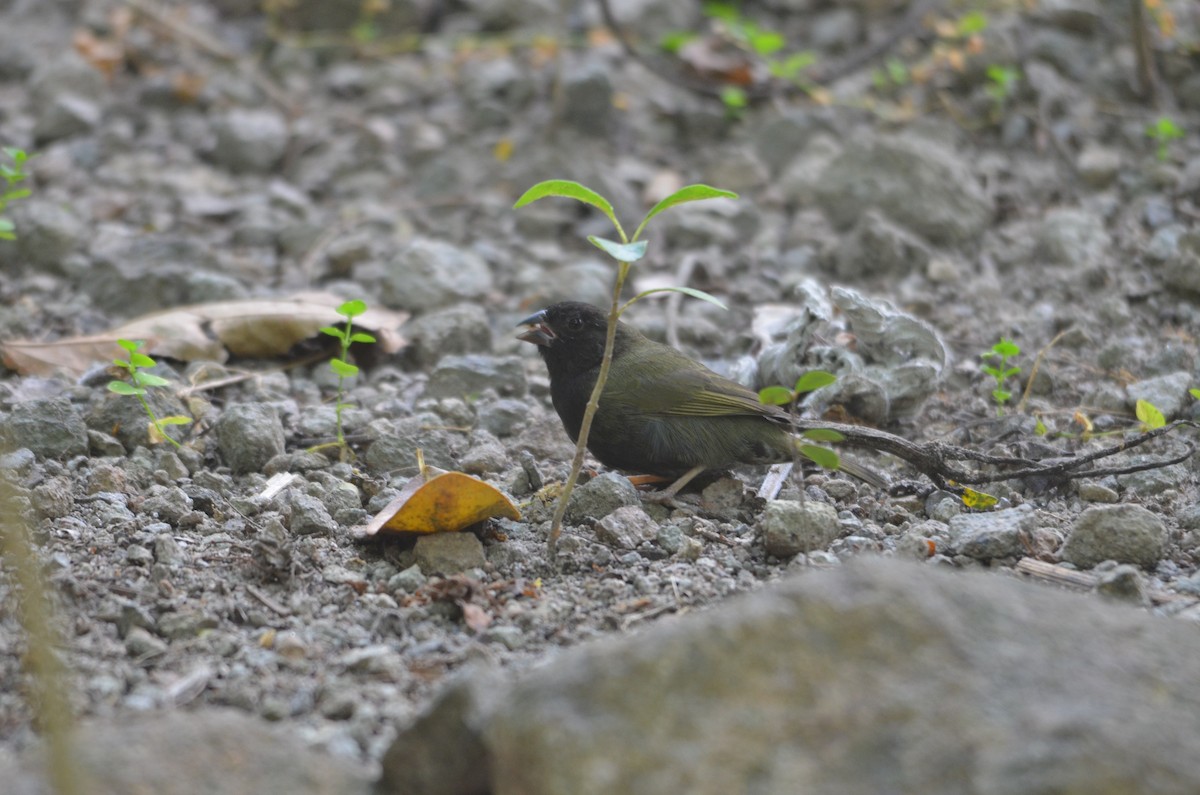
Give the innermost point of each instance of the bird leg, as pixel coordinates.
(667, 496)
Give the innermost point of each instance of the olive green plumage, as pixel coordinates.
(661, 413)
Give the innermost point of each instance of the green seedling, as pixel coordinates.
(1001, 371)
(346, 336)
(139, 383)
(625, 251)
(1149, 415)
(1002, 82)
(13, 174)
(1164, 131)
(782, 396)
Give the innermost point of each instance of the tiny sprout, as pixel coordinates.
(1164, 131)
(343, 369)
(1000, 372)
(139, 383)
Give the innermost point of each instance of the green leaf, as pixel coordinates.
(972, 23)
(1006, 348)
(689, 193)
(822, 456)
(814, 379)
(823, 435)
(1039, 427)
(674, 41)
(333, 332)
(343, 369)
(775, 396)
(131, 345)
(175, 419)
(13, 195)
(361, 336)
(622, 252)
(141, 360)
(17, 155)
(734, 97)
(725, 11)
(124, 388)
(692, 291)
(149, 379)
(1001, 395)
(352, 308)
(1149, 414)
(766, 42)
(6, 230)
(569, 189)
(1194, 392)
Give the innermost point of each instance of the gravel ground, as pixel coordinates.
(892, 235)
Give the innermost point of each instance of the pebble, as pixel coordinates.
(448, 553)
(790, 527)
(1125, 533)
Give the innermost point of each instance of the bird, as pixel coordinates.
(661, 413)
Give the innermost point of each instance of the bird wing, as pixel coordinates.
(677, 385)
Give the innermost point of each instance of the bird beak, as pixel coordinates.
(538, 332)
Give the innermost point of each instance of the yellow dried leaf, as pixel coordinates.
(977, 499)
(442, 502)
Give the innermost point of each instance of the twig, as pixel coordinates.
(1037, 363)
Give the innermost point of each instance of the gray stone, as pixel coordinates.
(1124, 533)
(790, 527)
(140, 643)
(309, 516)
(587, 97)
(599, 497)
(1168, 393)
(126, 417)
(1155, 480)
(168, 503)
(396, 442)
(1091, 491)
(503, 417)
(1071, 236)
(64, 91)
(191, 752)
(448, 553)
(926, 189)
(458, 329)
(1182, 267)
(48, 232)
(49, 427)
(251, 139)
(626, 528)
(471, 374)
(248, 435)
(1123, 582)
(781, 137)
(972, 683)
(837, 29)
(406, 581)
(1098, 165)
(430, 274)
(876, 247)
(987, 536)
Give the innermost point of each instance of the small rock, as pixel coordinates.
(50, 231)
(49, 427)
(309, 516)
(1091, 491)
(1124, 583)
(168, 503)
(1098, 165)
(251, 139)
(1072, 236)
(507, 635)
(600, 496)
(457, 329)
(248, 436)
(503, 417)
(430, 274)
(588, 97)
(140, 643)
(627, 527)
(138, 555)
(406, 581)
(471, 374)
(987, 536)
(167, 550)
(1168, 393)
(790, 527)
(877, 246)
(1124, 533)
(448, 553)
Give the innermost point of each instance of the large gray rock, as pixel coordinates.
(50, 427)
(1125, 533)
(929, 190)
(879, 677)
(431, 274)
(193, 752)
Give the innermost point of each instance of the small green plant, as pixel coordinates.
(139, 383)
(894, 73)
(782, 396)
(13, 174)
(1001, 371)
(1002, 82)
(1164, 131)
(625, 251)
(1149, 415)
(346, 336)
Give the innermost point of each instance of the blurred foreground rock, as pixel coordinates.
(879, 677)
(192, 753)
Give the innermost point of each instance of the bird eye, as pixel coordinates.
(575, 323)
